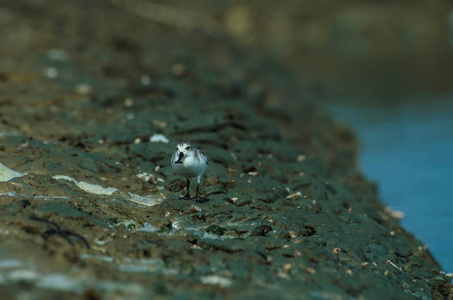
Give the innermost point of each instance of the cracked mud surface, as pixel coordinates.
(97, 213)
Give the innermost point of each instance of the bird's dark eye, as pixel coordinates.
(189, 148)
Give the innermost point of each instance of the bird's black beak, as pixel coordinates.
(179, 161)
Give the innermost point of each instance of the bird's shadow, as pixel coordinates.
(202, 200)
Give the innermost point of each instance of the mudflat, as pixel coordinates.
(94, 100)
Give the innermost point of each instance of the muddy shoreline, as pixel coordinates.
(93, 101)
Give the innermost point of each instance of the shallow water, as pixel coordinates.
(407, 148)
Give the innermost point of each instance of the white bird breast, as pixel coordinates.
(191, 166)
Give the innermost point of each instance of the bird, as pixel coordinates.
(190, 162)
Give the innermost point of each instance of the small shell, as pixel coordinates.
(287, 267)
(128, 102)
(394, 213)
(158, 138)
(159, 123)
(297, 194)
(195, 208)
(233, 200)
(336, 251)
(301, 157)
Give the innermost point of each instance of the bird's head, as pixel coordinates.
(184, 148)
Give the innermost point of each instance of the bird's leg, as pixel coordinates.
(187, 196)
(198, 198)
(198, 189)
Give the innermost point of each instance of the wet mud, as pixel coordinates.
(93, 101)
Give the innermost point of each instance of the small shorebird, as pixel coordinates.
(189, 162)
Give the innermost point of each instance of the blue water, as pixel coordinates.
(407, 148)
